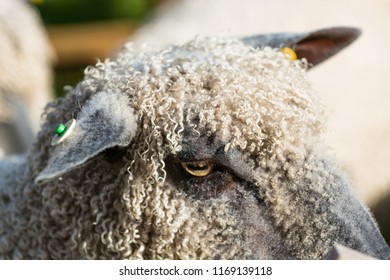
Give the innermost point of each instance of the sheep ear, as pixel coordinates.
(315, 46)
(105, 121)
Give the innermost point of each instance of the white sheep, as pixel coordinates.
(26, 59)
(211, 149)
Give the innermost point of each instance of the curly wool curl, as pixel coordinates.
(256, 101)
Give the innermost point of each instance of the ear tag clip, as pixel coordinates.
(63, 131)
(290, 53)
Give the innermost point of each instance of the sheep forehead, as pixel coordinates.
(228, 87)
(233, 67)
(223, 83)
(201, 52)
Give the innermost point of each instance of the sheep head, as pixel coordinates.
(207, 150)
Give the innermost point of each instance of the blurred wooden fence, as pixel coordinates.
(84, 43)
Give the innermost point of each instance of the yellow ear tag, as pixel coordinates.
(290, 53)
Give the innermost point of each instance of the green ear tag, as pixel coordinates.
(61, 128)
(63, 131)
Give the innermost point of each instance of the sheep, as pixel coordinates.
(211, 149)
(358, 125)
(26, 59)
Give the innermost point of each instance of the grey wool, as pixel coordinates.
(206, 150)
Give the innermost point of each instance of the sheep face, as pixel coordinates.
(209, 150)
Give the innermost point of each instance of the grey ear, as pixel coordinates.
(315, 46)
(105, 121)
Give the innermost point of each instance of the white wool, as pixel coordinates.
(26, 59)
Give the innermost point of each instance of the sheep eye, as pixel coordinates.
(198, 168)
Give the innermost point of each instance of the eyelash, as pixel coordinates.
(200, 179)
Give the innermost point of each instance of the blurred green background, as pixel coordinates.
(71, 11)
(84, 30)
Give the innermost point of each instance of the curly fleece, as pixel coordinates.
(257, 104)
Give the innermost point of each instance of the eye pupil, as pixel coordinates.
(197, 166)
(198, 169)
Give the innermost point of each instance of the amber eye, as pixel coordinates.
(198, 168)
